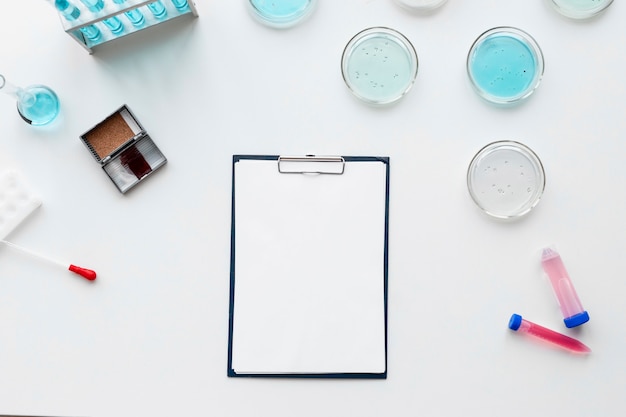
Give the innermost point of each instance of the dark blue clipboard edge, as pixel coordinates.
(231, 309)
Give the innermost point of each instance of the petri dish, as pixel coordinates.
(281, 13)
(420, 5)
(505, 65)
(506, 179)
(379, 65)
(580, 9)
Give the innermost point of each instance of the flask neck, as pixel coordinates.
(8, 88)
(16, 92)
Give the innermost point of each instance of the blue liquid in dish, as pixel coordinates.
(503, 66)
(38, 105)
(379, 68)
(281, 12)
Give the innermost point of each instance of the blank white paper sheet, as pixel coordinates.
(309, 270)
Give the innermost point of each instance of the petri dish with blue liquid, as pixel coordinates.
(281, 13)
(580, 9)
(505, 65)
(379, 65)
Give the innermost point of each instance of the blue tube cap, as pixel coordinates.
(576, 319)
(515, 322)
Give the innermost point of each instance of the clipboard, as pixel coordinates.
(309, 256)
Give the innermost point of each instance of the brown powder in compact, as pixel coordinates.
(109, 135)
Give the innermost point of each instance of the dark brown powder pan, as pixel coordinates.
(123, 148)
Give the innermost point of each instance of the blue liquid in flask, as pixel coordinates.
(38, 105)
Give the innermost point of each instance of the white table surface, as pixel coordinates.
(149, 337)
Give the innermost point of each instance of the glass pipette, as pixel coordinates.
(83, 272)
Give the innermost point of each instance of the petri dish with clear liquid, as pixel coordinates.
(505, 65)
(506, 179)
(580, 9)
(379, 65)
(420, 5)
(281, 13)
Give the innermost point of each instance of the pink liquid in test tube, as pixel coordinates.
(521, 325)
(573, 312)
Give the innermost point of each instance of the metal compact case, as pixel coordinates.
(124, 149)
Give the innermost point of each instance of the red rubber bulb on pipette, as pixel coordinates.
(83, 272)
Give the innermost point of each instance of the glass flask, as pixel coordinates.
(37, 104)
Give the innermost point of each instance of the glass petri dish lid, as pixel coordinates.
(420, 5)
(505, 65)
(379, 65)
(506, 179)
(281, 13)
(580, 9)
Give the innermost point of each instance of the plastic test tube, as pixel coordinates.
(573, 312)
(519, 324)
(134, 15)
(180, 4)
(158, 9)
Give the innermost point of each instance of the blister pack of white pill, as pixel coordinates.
(17, 201)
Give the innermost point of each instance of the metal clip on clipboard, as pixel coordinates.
(311, 164)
